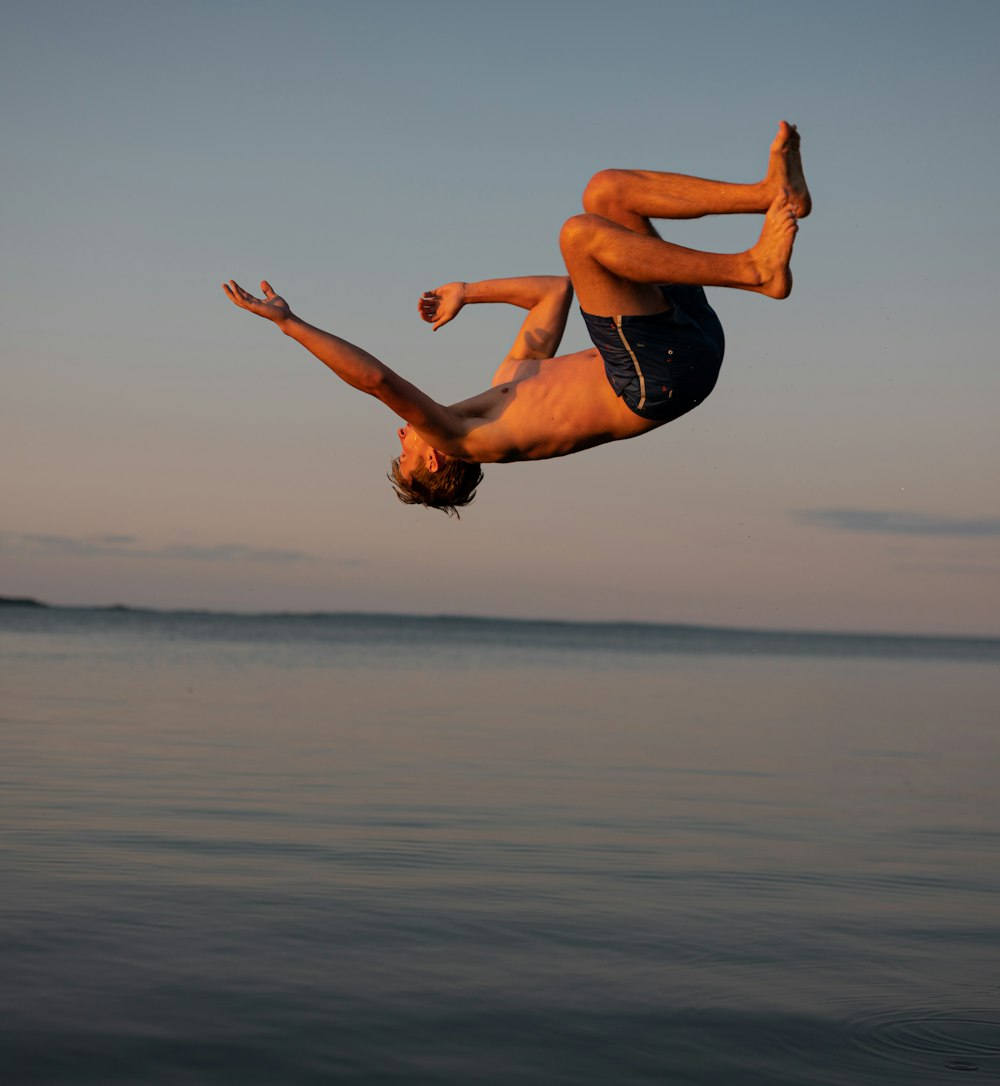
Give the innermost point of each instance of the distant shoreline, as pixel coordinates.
(28, 603)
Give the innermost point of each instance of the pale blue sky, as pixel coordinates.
(162, 448)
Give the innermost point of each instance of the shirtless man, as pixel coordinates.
(658, 345)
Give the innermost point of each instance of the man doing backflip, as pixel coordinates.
(658, 345)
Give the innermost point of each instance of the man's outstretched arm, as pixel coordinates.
(356, 367)
(546, 297)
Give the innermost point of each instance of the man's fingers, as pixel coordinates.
(429, 308)
(265, 286)
(236, 293)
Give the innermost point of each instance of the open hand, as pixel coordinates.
(437, 307)
(273, 307)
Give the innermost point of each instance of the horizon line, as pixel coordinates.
(29, 603)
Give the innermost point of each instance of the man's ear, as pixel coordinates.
(433, 464)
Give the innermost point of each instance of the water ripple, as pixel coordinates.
(929, 1037)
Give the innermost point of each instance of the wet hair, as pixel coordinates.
(452, 485)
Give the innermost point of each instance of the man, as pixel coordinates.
(658, 345)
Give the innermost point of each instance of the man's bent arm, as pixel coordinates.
(547, 299)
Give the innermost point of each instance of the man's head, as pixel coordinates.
(421, 475)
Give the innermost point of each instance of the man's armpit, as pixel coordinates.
(516, 369)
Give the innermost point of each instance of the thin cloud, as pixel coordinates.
(64, 546)
(125, 546)
(230, 552)
(890, 522)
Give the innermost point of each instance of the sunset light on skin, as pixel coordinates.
(162, 450)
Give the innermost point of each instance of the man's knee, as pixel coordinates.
(602, 193)
(577, 234)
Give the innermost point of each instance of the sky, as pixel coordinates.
(162, 448)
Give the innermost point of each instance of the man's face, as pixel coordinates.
(414, 451)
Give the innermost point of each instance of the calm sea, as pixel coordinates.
(388, 850)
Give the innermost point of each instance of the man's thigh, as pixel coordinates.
(599, 290)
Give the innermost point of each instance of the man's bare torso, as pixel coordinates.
(542, 408)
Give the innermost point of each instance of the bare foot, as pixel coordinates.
(771, 255)
(784, 169)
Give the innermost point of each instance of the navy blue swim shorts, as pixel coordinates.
(665, 364)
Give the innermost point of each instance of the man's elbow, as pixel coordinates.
(564, 289)
(374, 384)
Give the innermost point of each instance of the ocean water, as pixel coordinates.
(381, 850)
